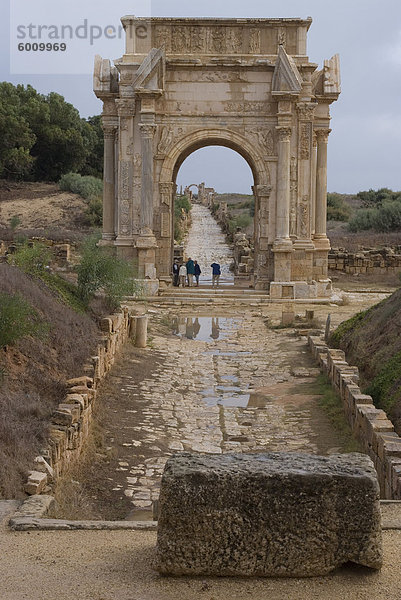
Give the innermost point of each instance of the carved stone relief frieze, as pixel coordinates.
(293, 195)
(305, 141)
(282, 36)
(165, 227)
(166, 193)
(250, 106)
(234, 40)
(163, 37)
(166, 139)
(265, 139)
(198, 39)
(254, 41)
(125, 197)
(180, 39)
(304, 216)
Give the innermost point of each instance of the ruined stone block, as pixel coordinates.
(276, 514)
(36, 483)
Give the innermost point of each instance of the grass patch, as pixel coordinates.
(385, 388)
(330, 402)
(67, 292)
(344, 328)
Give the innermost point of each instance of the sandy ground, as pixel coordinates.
(119, 565)
(40, 206)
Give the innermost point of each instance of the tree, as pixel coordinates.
(43, 137)
(16, 136)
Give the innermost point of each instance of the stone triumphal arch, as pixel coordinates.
(247, 84)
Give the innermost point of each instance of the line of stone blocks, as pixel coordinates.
(369, 425)
(366, 261)
(70, 422)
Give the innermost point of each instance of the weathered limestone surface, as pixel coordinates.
(276, 514)
(246, 84)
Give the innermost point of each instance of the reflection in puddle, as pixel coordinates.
(203, 329)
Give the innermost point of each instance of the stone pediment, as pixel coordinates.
(286, 77)
(151, 73)
(105, 77)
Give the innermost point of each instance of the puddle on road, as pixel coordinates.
(203, 329)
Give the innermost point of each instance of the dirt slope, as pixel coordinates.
(33, 372)
(372, 341)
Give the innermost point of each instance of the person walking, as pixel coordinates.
(183, 275)
(216, 272)
(176, 273)
(190, 271)
(197, 272)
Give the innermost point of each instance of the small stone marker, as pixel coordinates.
(287, 316)
(141, 332)
(276, 514)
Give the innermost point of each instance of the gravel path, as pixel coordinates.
(118, 565)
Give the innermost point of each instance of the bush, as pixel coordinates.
(337, 209)
(373, 199)
(32, 259)
(94, 212)
(18, 319)
(101, 270)
(385, 218)
(241, 221)
(88, 187)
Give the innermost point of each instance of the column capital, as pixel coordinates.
(110, 127)
(147, 130)
(322, 134)
(262, 191)
(306, 110)
(284, 133)
(126, 107)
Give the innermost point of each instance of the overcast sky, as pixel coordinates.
(364, 147)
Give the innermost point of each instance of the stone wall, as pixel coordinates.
(60, 250)
(369, 425)
(70, 422)
(369, 261)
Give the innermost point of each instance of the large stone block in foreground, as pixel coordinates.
(276, 514)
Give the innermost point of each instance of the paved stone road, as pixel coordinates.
(235, 387)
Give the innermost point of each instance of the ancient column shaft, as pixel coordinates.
(109, 182)
(147, 134)
(283, 184)
(321, 184)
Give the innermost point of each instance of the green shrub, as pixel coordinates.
(94, 212)
(373, 199)
(385, 218)
(101, 270)
(88, 187)
(337, 209)
(241, 221)
(32, 259)
(18, 319)
(14, 222)
(346, 326)
(385, 388)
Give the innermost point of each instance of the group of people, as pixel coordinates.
(184, 274)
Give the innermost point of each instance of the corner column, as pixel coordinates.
(110, 126)
(320, 239)
(282, 247)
